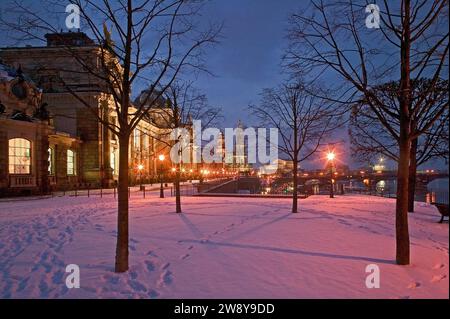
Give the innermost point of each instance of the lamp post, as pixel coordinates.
(330, 157)
(161, 160)
(140, 168)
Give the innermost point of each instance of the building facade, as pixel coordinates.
(70, 147)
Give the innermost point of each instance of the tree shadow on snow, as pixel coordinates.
(295, 251)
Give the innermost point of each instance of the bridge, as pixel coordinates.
(422, 177)
(253, 184)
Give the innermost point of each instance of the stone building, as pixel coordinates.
(28, 140)
(76, 147)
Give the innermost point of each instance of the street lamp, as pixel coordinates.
(161, 160)
(331, 156)
(140, 168)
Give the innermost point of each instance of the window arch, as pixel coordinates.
(19, 155)
(71, 163)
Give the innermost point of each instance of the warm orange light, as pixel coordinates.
(140, 167)
(174, 169)
(331, 156)
(161, 157)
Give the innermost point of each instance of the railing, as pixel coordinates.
(72, 179)
(438, 197)
(185, 190)
(22, 181)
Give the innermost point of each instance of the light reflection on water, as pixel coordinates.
(436, 191)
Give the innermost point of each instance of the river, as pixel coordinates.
(436, 191)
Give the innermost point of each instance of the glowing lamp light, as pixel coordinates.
(161, 157)
(140, 167)
(331, 156)
(174, 169)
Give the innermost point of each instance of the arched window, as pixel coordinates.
(19, 155)
(71, 163)
(51, 161)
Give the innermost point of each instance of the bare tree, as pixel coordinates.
(303, 121)
(411, 42)
(369, 138)
(183, 104)
(146, 41)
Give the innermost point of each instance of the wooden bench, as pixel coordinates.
(443, 209)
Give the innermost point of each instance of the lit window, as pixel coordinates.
(71, 163)
(19, 156)
(145, 142)
(113, 161)
(137, 138)
(51, 161)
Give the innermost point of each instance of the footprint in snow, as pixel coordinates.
(437, 278)
(438, 266)
(23, 284)
(165, 279)
(414, 285)
(133, 274)
(111, 279)
(153, 294)
(137, 286)
(150, 266)
(151, 253)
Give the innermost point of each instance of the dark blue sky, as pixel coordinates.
(248, 57)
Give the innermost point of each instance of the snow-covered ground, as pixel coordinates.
(220, 248)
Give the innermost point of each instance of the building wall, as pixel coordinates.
(75, 124)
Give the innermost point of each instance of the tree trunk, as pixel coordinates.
(401, 213)
(401, 223)
(122, 216)
(177, 193)
(295, 184)
(412, 175)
